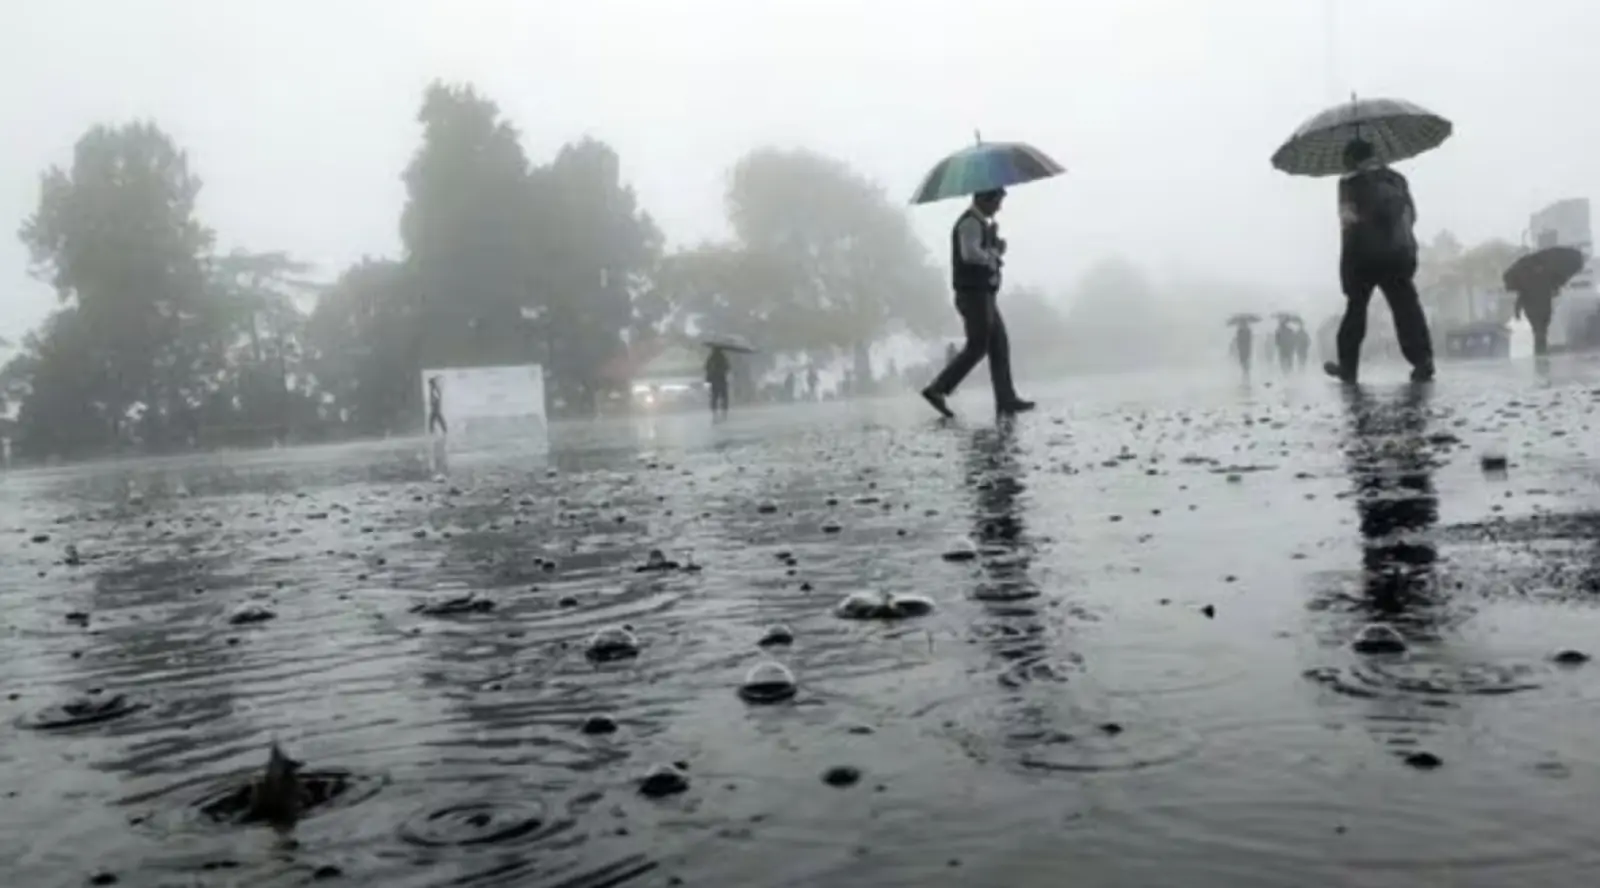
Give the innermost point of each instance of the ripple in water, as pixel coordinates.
(82, 711)
(481, 822)
(226, 802)
(1374, 678)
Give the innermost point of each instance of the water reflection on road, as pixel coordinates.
(1138, 668)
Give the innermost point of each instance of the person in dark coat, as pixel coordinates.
(1243, 337)
(1378, 250)
(717, 369)
(976, 251)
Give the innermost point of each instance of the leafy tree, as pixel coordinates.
(467, 228)
(116, 234)
(361, 343)
(597, 250)
(852, 269)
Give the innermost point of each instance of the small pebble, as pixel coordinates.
(841, 776)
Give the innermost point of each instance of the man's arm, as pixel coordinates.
(969, 241)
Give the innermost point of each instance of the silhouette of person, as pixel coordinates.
(1537, 305)
(436, 406)
(1284, 339)
(1378, 250)
(976, 251)
(1243, 336)
(1302, 346)
(811, 383)
(717, 369)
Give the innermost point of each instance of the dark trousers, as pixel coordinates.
(1538, 312)
(436, 421)
(1358, 277)
(986, 338)
(719, 396)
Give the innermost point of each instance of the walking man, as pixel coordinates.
(1379, 249)
(717, 369)
(436, 406)
(976, 251)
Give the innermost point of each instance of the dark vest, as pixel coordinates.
(968, 276)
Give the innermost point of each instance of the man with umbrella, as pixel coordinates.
(976, 257)
(1536, 278)
(1376, 214)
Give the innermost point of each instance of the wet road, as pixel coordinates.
(1137, 671)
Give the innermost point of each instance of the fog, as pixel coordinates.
(299, 116)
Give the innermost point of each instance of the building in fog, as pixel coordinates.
(1566, 223)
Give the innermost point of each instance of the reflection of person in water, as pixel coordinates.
(436, 406)
(717, 369)
(1391, 465)
(1537, 305)
(1012, 627)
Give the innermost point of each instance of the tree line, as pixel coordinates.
(161, 343)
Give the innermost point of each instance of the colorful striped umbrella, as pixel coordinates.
(1398, 130)
(985, 167)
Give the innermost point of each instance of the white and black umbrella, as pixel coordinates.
(1398, 130)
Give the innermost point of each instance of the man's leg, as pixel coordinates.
(1538, 313)
(1410, 323)
(977, 315)
(1356, 282)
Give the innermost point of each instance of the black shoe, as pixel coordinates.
(1422, 374)
(936, 399)
(1337, 372)
(1016, 405)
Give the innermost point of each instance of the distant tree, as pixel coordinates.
(596, 252)
(853, 270)
(468, 228)
(117, 236)
(362, 342)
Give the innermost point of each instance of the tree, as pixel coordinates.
(853, 270)
(596, 256)
(361, 343)
(1461, 285)
(467, 228)
(116, 235)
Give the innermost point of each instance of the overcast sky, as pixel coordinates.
(300, 114)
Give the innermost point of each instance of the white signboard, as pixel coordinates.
(485, 405)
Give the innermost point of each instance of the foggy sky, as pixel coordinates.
(300, 114)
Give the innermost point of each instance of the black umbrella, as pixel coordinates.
(1244, 317)
(729, 343)
(1546, 270)
(1397, 130)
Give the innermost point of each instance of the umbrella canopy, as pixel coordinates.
(1244, 317)
(1546, 270)
(985, 167)
(1397, 129)
(729, 343)
(1289, 317)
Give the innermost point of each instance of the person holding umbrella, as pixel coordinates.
(977, 254)
(717, 368)
(1378, 247)
(1536, 278)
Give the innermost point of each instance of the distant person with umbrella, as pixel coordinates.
(1357, 141)
(717, 368)
(1537, 278)
(1284, 338)
(1302, 347)
(1243, 338)
(977, 254)
(436, 406)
